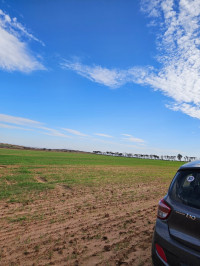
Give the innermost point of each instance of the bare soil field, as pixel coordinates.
(101, 221)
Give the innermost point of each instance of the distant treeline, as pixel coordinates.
(148, 156)
(110, 153)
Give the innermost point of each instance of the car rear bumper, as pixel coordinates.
(176, 253)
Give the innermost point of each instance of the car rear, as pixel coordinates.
(176, 238)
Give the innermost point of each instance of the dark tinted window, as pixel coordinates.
(186, 188)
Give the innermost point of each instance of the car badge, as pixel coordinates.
(192, 217)
(190, 178)
(187, 215)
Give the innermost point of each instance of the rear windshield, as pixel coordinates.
(186, 187)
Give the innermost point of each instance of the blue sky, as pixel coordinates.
(109, 75)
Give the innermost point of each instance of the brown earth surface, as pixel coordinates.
(109, 224)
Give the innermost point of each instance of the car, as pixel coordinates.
(176, 238)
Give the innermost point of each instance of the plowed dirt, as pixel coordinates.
(109, 224)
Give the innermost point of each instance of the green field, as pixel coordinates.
(24, 171)
(60, 207)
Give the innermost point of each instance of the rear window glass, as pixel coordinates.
(186, 188)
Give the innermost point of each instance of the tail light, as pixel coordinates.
(163, 210)
(161, 252)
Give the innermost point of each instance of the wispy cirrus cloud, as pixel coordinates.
(75, 132)
(14, 51)
(19, 120)
(113, 78)
(10, 122)
(130, 138)
(55, 133)
(178, 41)
(109, 77)
(21, 123)
(126, 135)
(103, 135)
(2, 125)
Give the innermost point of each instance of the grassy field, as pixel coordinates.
(31, 171)
(78, 209)
(34, 158)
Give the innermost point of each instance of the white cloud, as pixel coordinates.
(151, 7)
(19, 120)
(179, 77)
(103, 135)
(130, 138)
(188, 109)
(55, 133)
(109, 77)
(75, 132)
(178, 41)
(10, 122)
(14, 52)
(12, 127)
(30, 124)
(112, 78)
(126, 135)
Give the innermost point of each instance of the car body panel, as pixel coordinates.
(177, 254)
(184, 224)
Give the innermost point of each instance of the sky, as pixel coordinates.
(108, 75)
